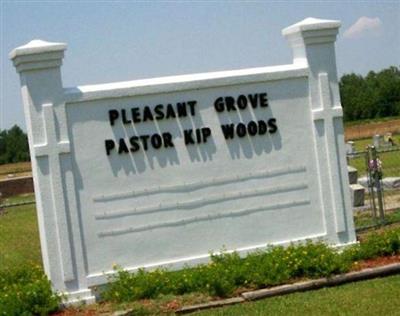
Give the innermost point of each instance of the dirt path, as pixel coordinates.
(369, 130)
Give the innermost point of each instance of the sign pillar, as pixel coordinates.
(312, 41)
(38, 64)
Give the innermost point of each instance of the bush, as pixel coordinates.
(227, 272)
(26, 291)
(374, 245)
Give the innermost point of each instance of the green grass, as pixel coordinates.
(390, 164)
(18, 199)
(390, 160)
(361, 144)
(364, 219)
(373, 297)
(19, 237)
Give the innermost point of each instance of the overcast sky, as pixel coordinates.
(120, 40)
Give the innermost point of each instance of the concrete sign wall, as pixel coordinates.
(160, 172)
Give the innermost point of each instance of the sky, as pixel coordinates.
(111, 41)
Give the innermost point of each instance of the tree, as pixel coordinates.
(13, 145)
(375, 95)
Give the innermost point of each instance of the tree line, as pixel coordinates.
(13, 145)
(375, 95)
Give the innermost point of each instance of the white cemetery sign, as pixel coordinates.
(160, 172)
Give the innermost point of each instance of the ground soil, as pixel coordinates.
(18, 169)
(371, 129)
(377, 262)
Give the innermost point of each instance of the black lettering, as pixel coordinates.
(241, 130)
(170, 111)
(198, 135)
(156, 141)
(263, 100)
(242, 102)
(147, 115)
(272, 125)
(230, 104)
(167, 137)
(144, 139)
(253, 98)
(110, 145)
(191, 105)
(252, 128)
(134, 143)
(135, 115)
(124, 119)
(228, 131)
(206, 131)
(188, 136)
(113, 115)
(262, 127)
(122, 146)
(159, 112)
(181, 109)
(219, 105)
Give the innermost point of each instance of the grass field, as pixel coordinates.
(390, 160)
(373, 297)
(390, 164)
(361, 144)
(364, 219)
(19, 235)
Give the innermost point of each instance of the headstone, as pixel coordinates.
(363, 181)
(377, 141)
(357, 194)
(353, 174)
(388, 140)
(160, 172)
(350, 147)
(391, 183)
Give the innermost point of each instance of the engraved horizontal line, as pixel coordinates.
(203, 218)
(200, 184)
(201, 202)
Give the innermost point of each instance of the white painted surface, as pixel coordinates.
(172, 206)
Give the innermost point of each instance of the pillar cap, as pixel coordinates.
(38, 54)
(37, 47)
(311, 24)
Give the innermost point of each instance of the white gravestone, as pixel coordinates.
(160, 172)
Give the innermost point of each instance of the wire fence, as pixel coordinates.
(375, 189)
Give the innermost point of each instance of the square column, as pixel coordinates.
(38, 64)
(313, 44)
